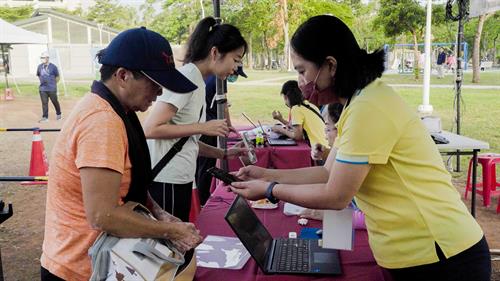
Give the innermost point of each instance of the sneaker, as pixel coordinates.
(59, 116)
(43, 120)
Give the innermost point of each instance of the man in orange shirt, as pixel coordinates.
(101, 161)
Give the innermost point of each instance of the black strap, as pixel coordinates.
(137, 147)
(313, 110)
(176, 148)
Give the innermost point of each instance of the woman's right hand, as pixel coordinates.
(215, 128)
(317, 151)
(277, 115)
(251, 173)
(184, 235)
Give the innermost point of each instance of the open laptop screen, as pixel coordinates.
(250, 230)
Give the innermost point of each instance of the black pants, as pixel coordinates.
(204, 179)
(173, 198)
(47, 276)
(44, 96)
(473, 264)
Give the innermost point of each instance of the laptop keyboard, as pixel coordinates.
(292, 255)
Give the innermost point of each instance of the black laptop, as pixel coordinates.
(281, 142)
(281, 255)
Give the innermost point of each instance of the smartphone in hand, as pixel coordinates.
(222, 175)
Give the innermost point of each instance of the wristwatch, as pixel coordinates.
(269, 193)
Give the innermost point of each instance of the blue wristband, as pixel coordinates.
(269, 193)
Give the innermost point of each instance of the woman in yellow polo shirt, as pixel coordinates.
(419, 229)
(305, 120)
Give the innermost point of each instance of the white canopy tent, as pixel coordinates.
(13, 35)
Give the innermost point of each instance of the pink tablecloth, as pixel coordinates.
(278, 157)
(358, 264)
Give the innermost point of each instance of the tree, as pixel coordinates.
(76, 12)
(286, 50)
(111, 14)
(258, 25)
(178, 19)
(477, 48)
(443, 30)
(400, 17)
(300, 11)
(14, 14)
(148, 12)
(490, 36)
(369, 35)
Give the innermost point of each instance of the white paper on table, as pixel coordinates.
(337, 229)
(221, 252)
(292, 210)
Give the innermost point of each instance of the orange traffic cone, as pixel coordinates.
(195, 205)
(39, 165)
(9, 95)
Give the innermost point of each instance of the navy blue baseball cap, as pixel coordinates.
(143, 50)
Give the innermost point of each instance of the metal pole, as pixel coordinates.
(4, 215)
(28, 130)
(25, 178)
(458, 81)
(474, 174)
(220, 96)
(463, 13)
(6, 67)
(425, 108)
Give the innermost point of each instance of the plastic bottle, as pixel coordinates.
(259, 140)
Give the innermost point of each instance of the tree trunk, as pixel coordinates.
(267, 52)
(286, 51)
(416, 56)
(202, 9)
(495, 50)
(250, 51)
(476, 49)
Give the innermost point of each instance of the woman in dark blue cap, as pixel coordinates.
(212, 49)
(100, 166)
(418, 227)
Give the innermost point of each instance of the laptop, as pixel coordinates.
(281, 142)
(281, 255)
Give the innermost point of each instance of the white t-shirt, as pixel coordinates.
(182, 168)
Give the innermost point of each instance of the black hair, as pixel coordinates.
(209, 34)
(108, 70)
(334, 111)
(323, 36)
(292, 91)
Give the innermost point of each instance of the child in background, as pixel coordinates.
(305, 121)
(319, 151)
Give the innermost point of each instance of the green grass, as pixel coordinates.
(265, 74)
(480, 118)
(485, 78)
(480, 111)
(73, 90)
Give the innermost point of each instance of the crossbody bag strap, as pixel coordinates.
(176, 148)
(313, 110)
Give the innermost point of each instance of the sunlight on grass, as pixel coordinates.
(480, 108)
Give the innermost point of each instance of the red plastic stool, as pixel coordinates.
(489, 184)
